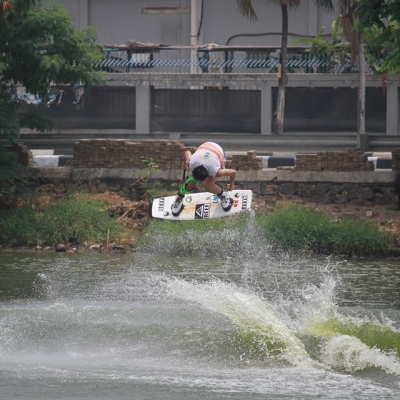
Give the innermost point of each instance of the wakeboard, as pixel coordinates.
(202, 206)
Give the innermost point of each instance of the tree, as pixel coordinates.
(360, 19)
(39, 47)
(357, 15)
(334, 48)
(355, 35)
(246, 8)
(382, 18)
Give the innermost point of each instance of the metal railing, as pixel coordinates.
(180, 60)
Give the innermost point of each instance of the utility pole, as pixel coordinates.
(193, 35)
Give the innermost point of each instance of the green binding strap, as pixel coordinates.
(183, 190)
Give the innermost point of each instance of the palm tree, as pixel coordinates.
(350, 12)
(246, 8)
(355, 35)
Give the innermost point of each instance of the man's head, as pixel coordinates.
(200, 173)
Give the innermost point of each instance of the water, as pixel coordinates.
(162, 325)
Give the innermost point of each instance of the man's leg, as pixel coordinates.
(211, 186)
(188, 187)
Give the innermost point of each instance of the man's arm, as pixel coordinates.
(186, 155)
(232, 176)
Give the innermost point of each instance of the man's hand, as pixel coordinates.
(232, 176)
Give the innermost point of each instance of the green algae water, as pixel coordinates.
(244, 325)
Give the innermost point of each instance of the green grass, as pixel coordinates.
(181, 228)
(303, 228)
(70, 220)
(291, 229)
(77, 219)
(18, 226)
(297, 228)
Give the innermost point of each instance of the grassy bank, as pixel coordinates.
(304, 228)
(73, 220)
(78, 219)
(290, 229)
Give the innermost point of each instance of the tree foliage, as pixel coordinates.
(246, 8)
(40, 47)
(383, 17)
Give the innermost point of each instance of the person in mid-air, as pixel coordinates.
(207, 164)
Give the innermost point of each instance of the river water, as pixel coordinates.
(248, 324)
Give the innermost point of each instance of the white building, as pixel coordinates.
(214, 21)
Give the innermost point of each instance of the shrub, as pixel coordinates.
(18, 226)
(73, 220)
(298, 228)
(76, 220)
(360, 237)
(304, 228)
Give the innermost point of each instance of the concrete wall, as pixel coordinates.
(119, 20)
(231, 103)
(100, 107)
(361, 187)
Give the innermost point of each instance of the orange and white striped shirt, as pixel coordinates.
(210, 155)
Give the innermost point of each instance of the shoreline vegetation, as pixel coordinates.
(82, 222)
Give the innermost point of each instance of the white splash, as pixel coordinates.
(351, 355)
(245, 309)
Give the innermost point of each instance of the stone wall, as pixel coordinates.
(268, 186)
(24, 155)
(342, 177)
(396, 160)
(111, 153)
(329, 193)
(246, 162)
(345, 160)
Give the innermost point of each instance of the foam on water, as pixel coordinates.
(343, 342)
(347, 353)
(253, 316)
(273, 328)
(312, 320)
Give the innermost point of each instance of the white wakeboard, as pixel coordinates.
(202, 206)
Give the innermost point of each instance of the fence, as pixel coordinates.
(224, 59)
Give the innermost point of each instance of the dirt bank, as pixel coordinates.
(386, 217)
(133, 215)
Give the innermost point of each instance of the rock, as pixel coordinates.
(102, 188)
(96, 247)
(369, 214)
(335, 190)
(288, 188)
(115, 187)
(271, 190)
(343, 199)
(60, 248)
(366, 193)
(118, 249)
(349, 215)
